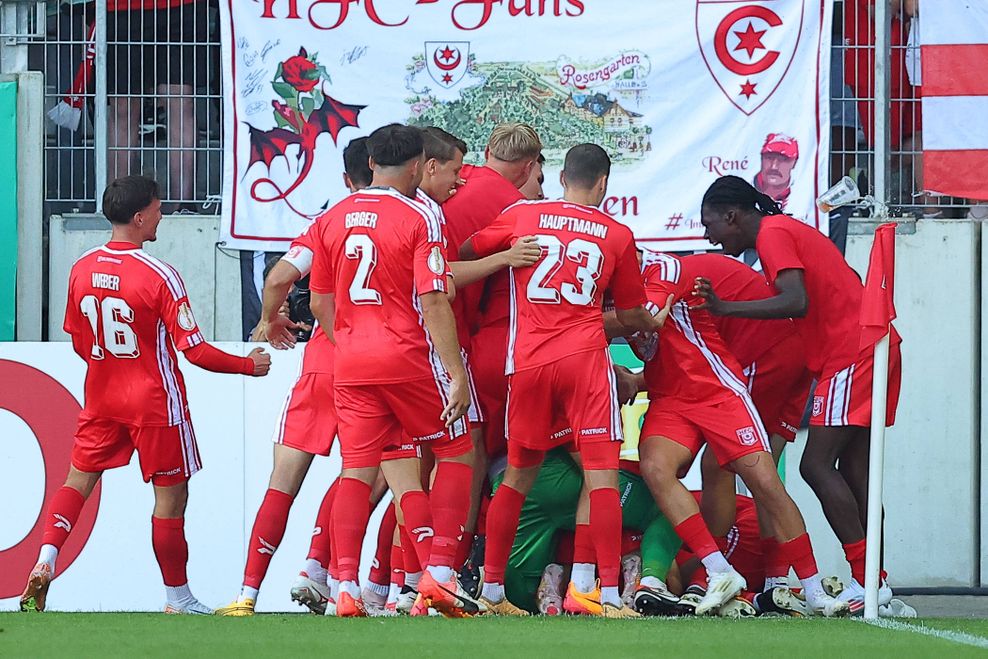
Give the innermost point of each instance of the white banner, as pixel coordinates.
(679, 92)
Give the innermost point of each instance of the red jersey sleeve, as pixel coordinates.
(627, 287)
(322, 278)
(429, 264)
(496, 237)
(176, 314)
(73, 315)
(777, 251)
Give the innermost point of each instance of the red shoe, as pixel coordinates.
(348, 606)
(449, 598)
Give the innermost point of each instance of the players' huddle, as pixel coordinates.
(460, 356)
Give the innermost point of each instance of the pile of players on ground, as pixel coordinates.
(460, 356)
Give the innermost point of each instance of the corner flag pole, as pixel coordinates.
(876, 473)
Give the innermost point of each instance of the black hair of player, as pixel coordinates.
(541, 159)
(355, 162)
(734, 192)
(395, 144)
(586, 164)
(442, 145)
(128, 195)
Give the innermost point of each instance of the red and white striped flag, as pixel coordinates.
(954, 45)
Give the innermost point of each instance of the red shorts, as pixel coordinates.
(402, 451)
(844, 399)
(731, 427)
(488, 354)
(779, 383)
(593, 455)
(373, 416)
(308, 418)
(578, 392)
(168, 454)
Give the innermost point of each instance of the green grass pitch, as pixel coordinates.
(155, 635)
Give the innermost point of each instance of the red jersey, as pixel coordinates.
(746, 338)
(127, 312)
(556, 303)
(693, 364)
(318, 355)
(378, 251)
(474, 206)
(831, 328)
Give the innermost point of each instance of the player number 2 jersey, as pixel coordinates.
(126, 313)
(556, 303)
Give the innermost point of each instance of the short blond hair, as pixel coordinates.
(512, 142)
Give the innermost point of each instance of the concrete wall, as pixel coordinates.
(932, 467)
(187, 242)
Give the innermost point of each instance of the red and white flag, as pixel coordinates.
(878, 299)
(954, 46)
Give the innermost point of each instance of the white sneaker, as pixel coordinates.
(854, 595)
(373, 602)
(189, 607)
(311, 594)
(721, 588)
(406, 600)
(829, 607)
(896, 608)
(549, 596)
(631, 571)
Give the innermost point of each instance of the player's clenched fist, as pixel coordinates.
(262, 362)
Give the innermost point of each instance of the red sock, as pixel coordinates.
(463, 550)
(449, 510)
(381, 567)
(349, 526)
(855, 554)
(170, 548)
(319, 547)
(418, 524)
(269, 529)
(798, 552)
(502, 523)
(605, 528)
(565, 547)
(485, 504)
(397, 565)
(409, 558)
(772, 559)
(694, 533)
(583, 551)
(63, 511)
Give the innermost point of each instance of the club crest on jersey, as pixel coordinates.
(436, 261)
(747, 436)
(818, 405)
(748, 46)
(447, 61)
(185, 318)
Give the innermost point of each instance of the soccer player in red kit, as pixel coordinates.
(698, 396)
(816, 287)
(558, 365)
(306, 426)
(380, 282)
(127, 313)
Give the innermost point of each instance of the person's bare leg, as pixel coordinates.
(121, 136)
(182, 134)
(818, 468)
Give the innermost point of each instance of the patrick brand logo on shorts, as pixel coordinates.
(747, 436)
(593, 431)
(62, 523)
(427, 438)
(818, 405)
(423, 532)
(268, 548)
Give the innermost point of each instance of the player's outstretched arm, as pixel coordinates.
(275, 327)
(438, 316)
(791, 302)
(524, 252)
(211, 358)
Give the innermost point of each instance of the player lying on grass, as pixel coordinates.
(127, 314)
(815, 286)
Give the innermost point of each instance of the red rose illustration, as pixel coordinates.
(300, 72)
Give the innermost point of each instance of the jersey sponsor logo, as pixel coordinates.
(108, 259)
(818, 405)
(267, 547)
(437, 264)
(422, 533)
(185, 318)
(62, 523)
(364, 219)
(103, 280)
(747, 436)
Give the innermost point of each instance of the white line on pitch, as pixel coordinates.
(947, 635)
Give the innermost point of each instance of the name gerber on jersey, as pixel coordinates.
(103, 280)
(574, 224)
(361, 219)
